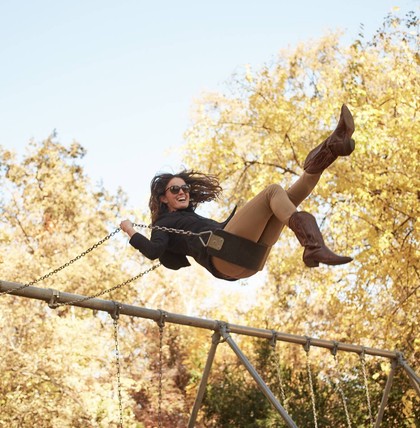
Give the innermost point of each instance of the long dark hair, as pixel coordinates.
(204, 187)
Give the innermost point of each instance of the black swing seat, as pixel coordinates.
(237, 250)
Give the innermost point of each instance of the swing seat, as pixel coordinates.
(237, 250)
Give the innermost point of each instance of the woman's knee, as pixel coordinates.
(273, 189)
(303, 187)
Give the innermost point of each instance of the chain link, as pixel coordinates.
(311, 385)
(160, 377)
(199, 235)
(84, 253)
(161, 324)
(365, 379)
(54, 304)
(67, 264)
(277, 363)
(169, 229)
(100, 293)
(340, 389)
(117, 360)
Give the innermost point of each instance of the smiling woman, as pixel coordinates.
(177, 195)
(174, 198)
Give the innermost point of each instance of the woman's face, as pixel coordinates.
(179, 200)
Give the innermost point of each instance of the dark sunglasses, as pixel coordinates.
(175, 189)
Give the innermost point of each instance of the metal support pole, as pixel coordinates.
(411, 372)
(385, 394)
(412, 376)
(263, 387)
(414, 384)
(215, 340)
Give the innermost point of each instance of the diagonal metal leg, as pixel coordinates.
(414, 384)
(385, 394)
(263, 387)
(412, 376)
(215, 340)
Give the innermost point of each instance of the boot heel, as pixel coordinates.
(345, 149)
(311, 263)
(351, 146)
(309, 260)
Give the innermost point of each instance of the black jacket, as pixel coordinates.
(171, 248)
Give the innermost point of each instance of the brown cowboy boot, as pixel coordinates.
(339, 143)
(307, 232)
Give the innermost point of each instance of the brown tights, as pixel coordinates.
(262, 218)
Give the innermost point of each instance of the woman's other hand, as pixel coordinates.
(127, 227)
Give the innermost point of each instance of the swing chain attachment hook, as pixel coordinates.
(273, 340)
(161, 321)
(53, 303)
(200, 237)
(307, 345)
(334, 349)
(115, 314)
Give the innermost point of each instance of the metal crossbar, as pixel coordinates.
(222, 330)
(46, 294)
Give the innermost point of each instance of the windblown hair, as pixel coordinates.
(204, 188)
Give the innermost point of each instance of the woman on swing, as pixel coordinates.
(174, 198)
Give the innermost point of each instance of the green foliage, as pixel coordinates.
(233, 399)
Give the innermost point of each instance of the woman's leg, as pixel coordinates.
(302, 188)
(263, 218)
(297, 193)
(251, 220)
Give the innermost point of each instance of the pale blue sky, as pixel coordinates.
(120, 77)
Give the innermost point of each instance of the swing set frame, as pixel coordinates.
(222, 333)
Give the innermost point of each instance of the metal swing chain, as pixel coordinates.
(115, 317)
(84, 253)
(161, 324)
(365, 379)
(278, 369)
(162, 228)
(338, 385)
(100, 293)
(311, 385)
(67, 264)
(54, 304)
(179, 231)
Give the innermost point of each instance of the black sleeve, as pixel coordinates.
(174, 261)
(156, 248)
(152, 248)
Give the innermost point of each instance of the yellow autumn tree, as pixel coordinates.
(53, 372)
(367, 205)
(58, 366)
